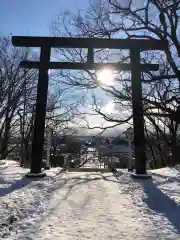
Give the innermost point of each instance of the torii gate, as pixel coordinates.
(46, 43)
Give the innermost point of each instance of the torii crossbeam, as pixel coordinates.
(46, 43)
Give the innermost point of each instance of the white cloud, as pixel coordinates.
(96, 121)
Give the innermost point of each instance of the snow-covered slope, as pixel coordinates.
(77, 205)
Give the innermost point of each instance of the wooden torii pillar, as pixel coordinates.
(46, 43)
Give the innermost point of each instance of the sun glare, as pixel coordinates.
(105, 77)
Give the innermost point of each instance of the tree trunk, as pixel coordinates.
(4, 146)
(27, 153)
(22, 152)
(174, 147)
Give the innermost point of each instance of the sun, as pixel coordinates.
(105, 77)
(50, 71)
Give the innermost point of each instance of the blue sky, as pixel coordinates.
(33, 17)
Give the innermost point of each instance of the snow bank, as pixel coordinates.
(22, 199)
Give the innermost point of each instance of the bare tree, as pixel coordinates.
(13, 81)
(150, 19)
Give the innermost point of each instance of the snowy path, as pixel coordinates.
(89, 207)
(76, 205)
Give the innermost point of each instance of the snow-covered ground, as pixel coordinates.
(86, 205)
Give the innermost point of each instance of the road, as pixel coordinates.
(94, 206)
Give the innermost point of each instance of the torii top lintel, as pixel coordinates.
(66, 42)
